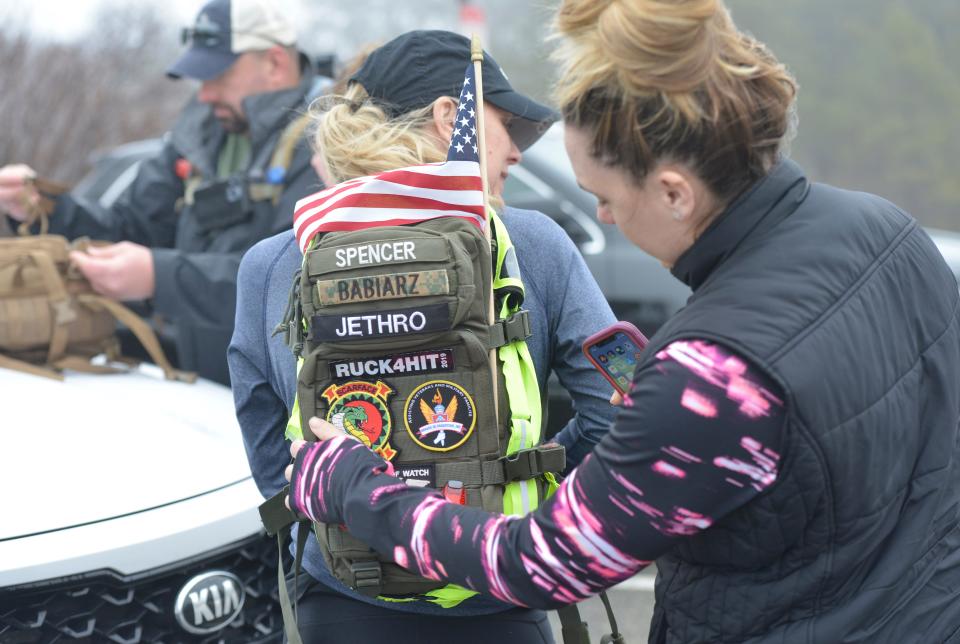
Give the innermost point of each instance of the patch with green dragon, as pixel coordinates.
(360, 409)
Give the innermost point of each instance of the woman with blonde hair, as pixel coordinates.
(398, 110)
(789, 452)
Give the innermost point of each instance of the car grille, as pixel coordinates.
(105, 607)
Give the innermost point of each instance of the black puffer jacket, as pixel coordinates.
(196, 263)
(845, 301)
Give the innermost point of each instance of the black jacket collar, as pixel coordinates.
(760, 207)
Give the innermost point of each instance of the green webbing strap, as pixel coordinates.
(529, 463)
(519, 375)
(507, 284)
(294, 430)
(523, 464)
(274, 513)
(572, 628)
(288, 609)
(614, 637)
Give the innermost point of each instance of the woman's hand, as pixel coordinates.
(619, 400)
(315, 476)
(323, 430)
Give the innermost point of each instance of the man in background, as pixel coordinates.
(229, 173)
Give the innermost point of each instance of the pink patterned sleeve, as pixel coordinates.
(698, 437)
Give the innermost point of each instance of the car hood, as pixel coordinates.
(95, 447)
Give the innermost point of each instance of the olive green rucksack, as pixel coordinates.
(392, 327)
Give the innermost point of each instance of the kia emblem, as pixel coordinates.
(208, 602)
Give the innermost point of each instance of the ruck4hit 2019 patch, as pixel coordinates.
(360, 409)
(439, 415)
(404, 364)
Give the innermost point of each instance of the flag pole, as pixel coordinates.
(476, 56)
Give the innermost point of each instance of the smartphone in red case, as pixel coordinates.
(615, 352)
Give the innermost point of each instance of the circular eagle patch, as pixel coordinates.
(360, 409)
(439, 415)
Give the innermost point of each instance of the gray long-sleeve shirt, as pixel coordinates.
(565, 306)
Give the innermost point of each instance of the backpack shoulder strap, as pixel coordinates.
(144, 334)
(280, 161)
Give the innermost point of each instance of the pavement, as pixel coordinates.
(632, 603)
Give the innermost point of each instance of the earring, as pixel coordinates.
(677, 215)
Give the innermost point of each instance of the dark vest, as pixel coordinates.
(846, 302)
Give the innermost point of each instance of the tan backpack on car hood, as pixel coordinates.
(51, 318)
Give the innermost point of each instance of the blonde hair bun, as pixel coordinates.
(671, 79)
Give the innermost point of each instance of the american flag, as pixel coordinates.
(407, 195)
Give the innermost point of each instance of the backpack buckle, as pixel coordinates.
(290, 326)
(511, 329)
(62, 311)
(529, 463)
(367, 577)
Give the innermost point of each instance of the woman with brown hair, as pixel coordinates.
(788, 453)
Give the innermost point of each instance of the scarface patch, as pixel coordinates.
(439, 415)
(360, 409)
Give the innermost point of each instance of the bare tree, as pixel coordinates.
(67, 100)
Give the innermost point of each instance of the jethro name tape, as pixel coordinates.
(381, 324)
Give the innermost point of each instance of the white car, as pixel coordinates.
(128, 514)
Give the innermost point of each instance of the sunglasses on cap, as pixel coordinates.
(212, 36)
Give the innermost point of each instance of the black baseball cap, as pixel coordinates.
(223, 30)
(414, 69)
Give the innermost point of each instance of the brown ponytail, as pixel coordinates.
(673, 80)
